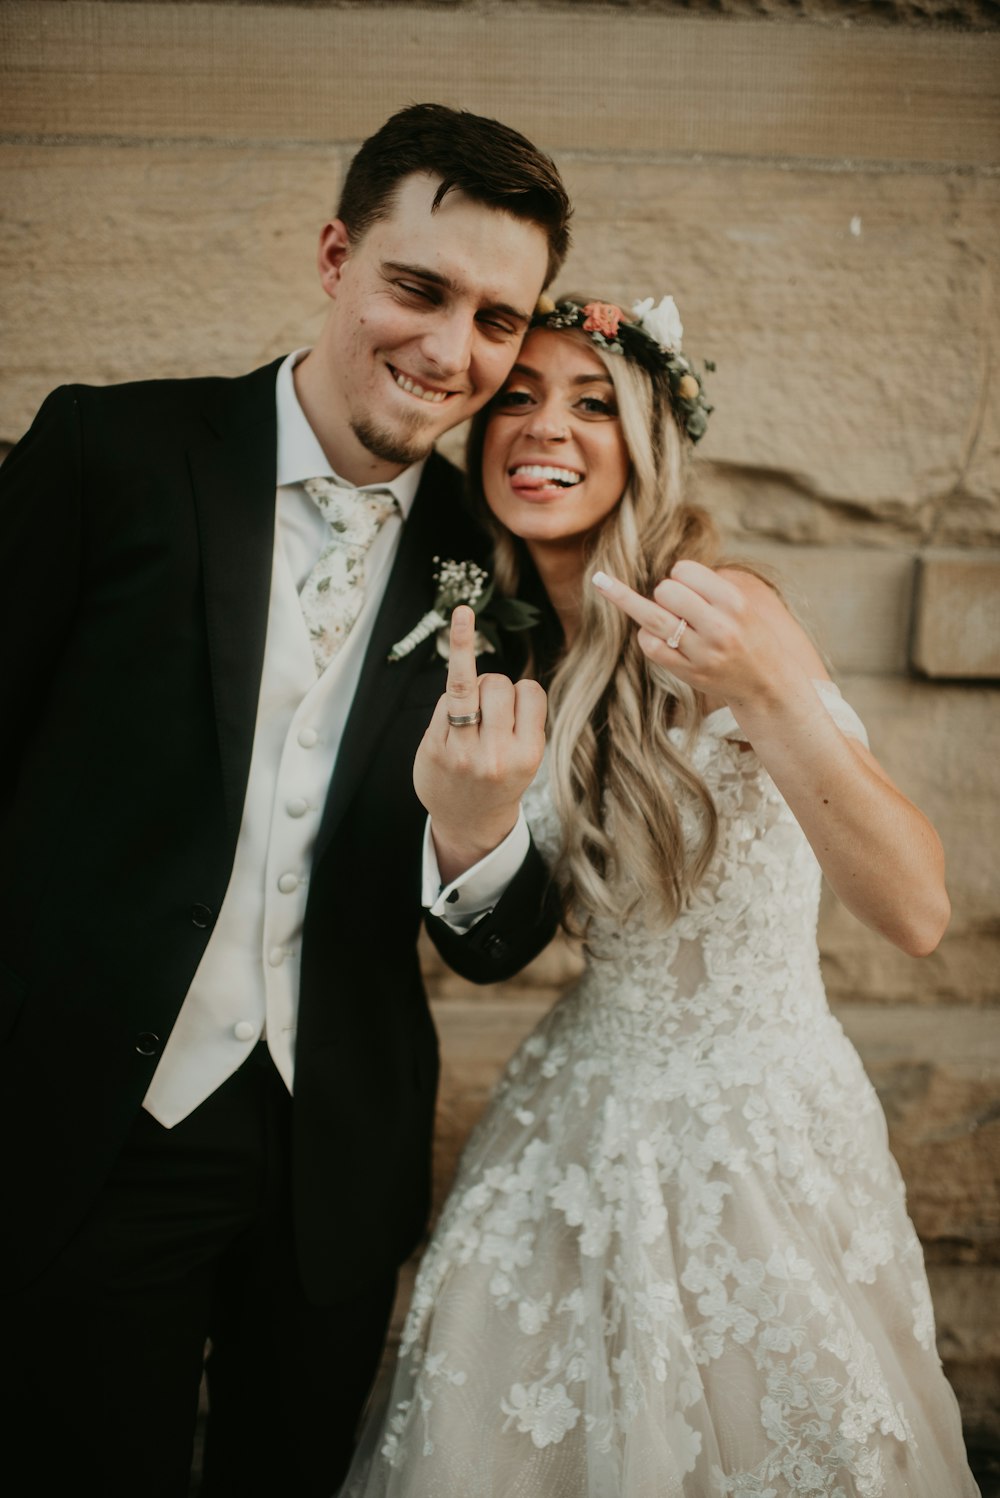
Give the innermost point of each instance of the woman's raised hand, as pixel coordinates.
(730, 637)
(479, 755)
(727, 638)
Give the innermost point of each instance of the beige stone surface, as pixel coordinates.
(939, 745)
(957, 615)
(937, 1074)
(123, 264)
(937, 740)
(852, 369)
(964, 969)
(915, 13)
(856, 603)
(854, 323)
(639, 81)
(968, 1338)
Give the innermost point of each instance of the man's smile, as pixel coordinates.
(422, 392)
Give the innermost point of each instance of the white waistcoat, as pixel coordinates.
(247, 982)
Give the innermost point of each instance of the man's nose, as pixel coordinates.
(447, 346)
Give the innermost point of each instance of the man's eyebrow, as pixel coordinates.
(424, 273)
(583, 379)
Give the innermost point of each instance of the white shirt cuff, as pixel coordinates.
(473, 894)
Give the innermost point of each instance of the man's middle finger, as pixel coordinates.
(462, 688)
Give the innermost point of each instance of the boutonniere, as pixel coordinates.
(466, 582)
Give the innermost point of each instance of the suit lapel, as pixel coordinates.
(234, 469)
(408, 596)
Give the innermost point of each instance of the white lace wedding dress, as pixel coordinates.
(676, 1259)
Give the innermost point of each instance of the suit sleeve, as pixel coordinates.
(40, 550)
(519, 926)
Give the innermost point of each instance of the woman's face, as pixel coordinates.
(554, 456)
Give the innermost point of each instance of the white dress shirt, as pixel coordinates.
(246, 985)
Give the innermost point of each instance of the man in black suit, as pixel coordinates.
(217, 1065)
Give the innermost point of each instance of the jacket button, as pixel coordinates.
(201, 916)
(495, 946)
(146, 1043)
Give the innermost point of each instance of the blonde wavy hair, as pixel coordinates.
(618, 779)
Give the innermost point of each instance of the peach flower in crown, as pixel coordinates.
(602, 317)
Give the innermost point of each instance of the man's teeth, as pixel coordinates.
(564, 476)
(405, 383)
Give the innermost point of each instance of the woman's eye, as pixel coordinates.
(514, 398)
(595, 406)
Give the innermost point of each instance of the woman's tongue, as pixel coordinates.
(533, 483)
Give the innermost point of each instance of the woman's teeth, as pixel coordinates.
(405, 383)
(564, 476)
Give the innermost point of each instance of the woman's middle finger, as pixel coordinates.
(682, 602)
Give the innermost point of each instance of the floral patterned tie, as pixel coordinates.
(332, 594)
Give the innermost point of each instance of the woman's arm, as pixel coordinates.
(740, 647)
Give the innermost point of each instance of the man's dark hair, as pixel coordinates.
(488, 161)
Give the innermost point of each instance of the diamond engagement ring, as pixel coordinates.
(464, 720)
(675, 639)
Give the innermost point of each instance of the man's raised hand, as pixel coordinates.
(471, 775)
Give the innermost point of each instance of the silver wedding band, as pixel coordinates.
(465, 720)
(675, 639)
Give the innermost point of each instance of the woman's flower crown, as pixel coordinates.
(650, 335)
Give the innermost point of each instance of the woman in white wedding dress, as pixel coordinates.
(676, 1258)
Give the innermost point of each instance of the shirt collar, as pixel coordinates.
(300, 456)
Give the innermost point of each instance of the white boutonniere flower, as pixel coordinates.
(466, 582)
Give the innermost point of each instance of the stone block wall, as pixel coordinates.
(817, 184)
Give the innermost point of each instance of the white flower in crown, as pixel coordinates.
(662, 323)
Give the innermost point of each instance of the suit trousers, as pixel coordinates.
(190, 1242)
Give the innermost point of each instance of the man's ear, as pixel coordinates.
(334, 248)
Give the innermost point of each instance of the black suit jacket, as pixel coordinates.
(136, 527)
